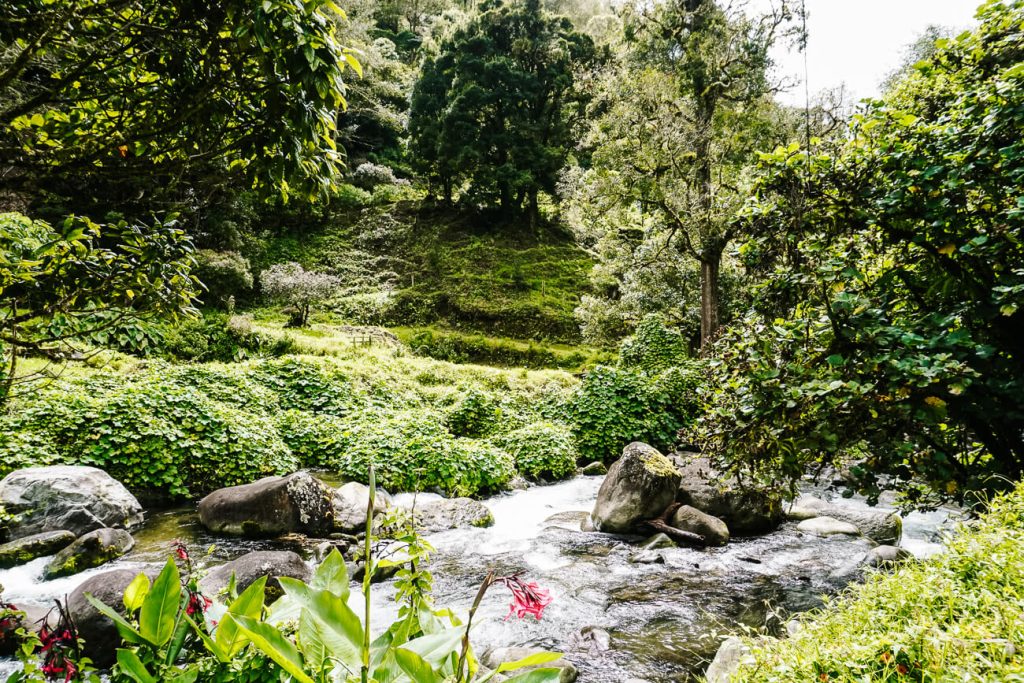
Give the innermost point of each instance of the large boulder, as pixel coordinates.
(714, 530)
(88, 551)
(884, 527)
(72, 498)
(29, 548)
(100, 634)
(494, 658)
(297, 503)
(451, 513)
(730, 656)
(640, 485)
(745, 508)
(270, 563)
(350, 502)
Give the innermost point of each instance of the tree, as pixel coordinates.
(888, 327)
(687, 110)
(87, 283)
(498, 107)
(131, 105)
(291, 284)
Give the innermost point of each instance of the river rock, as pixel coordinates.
(827, 526)
(806, 507)
(640, 485)
(452, 513)
(594, 469)
(350, 503)
(727, 661)
(73, 498)
(88, 551)
(881, 526)
(270, 563)
(887, 556)
(495, 657)
(100, 634)
(29, 548)
(572, 520)
(297, 503)
(714, 530)
(746, 509)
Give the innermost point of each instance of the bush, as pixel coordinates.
(305, 385)
(653, 347)
(476, 414)
(411, 451)
(318, 441)
(954, 617)
(456, 347)
(219, 337)
(615, 406)
(542, 450)
(155, 436)
(225, 274)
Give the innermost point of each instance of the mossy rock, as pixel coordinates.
(24, 550)
(91, 550)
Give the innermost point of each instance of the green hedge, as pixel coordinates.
(542, 450)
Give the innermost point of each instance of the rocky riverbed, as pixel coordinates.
(658, 619)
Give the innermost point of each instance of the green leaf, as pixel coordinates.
(272, 643)
(437, 647)
(136, 592)
(343, 630)
(332, 575)
(416, 667)
(156, 619)
(537, 676)
(130, 664)
(533, 660)
(248, 604)
(124, 629)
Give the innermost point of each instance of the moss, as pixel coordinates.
(657, 464)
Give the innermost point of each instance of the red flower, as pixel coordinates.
(902, 669)
(527, 598)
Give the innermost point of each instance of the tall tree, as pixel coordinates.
(498, 108)
(705, 65)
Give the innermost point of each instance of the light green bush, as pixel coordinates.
(541, 450)
(958, 616)
(654, 347)
(318, 441)
(477, 414)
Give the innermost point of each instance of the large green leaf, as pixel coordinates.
(416, 667)
(248, 604)
(437, 647)
(136, 592)
(533, 660)
(332, 575)
(160, 607)
(275, 645)
(130, 664)
(537, 676)
(343, 632)
(124, 629)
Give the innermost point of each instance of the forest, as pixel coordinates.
(316, 309)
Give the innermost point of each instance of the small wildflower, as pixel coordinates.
(527, 598)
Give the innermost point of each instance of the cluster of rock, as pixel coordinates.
(687, 499)
(80, 515)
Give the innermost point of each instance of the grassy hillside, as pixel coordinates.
(404, 264)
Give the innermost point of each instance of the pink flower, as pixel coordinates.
(527, 598)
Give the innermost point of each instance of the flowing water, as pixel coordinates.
(664, 620)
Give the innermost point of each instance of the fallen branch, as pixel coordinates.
(661, 524)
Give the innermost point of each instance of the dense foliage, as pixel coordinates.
(954, 617)
(888, 322)
(496, 109)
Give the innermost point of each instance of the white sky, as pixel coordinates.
(859, 42)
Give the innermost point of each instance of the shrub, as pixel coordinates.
(225, 274)
(476, 414)
(653, 347)
(954, 617)
(318, 441)
(411, 451)
(156, 436)
(615, 406)
(305, 385)
(219, 337)
(542, 450)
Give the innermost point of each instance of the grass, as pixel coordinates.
(956, 617)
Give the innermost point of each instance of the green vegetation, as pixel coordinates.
(954, 617)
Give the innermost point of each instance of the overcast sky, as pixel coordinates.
(858, 42)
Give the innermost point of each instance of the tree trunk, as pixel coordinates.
(710, 265)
